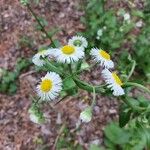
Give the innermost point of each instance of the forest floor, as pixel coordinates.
(17, 132)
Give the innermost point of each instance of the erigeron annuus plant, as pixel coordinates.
(66, 77)
(65, 64)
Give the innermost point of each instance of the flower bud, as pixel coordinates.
(86, 115)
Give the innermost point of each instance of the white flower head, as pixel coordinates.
(86, 115)
(102, 57)
(100, 32)
(114, 82)
(78, 41)
(37, 58)
(50, 86)
(126, 16)
(69, 54)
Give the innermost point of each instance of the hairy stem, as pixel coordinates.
(138, 86)
(40, 24)
(135, 108)
(88, 87)
(94, 97)
(132, 70)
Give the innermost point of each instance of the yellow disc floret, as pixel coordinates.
(46, 85)
(104, 54)
(117, 79)
(68, 49)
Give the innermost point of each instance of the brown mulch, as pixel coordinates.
(16, 130)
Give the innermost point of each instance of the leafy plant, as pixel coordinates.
(64, 66)
(8, 79)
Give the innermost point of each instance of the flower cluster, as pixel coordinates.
(51, 84)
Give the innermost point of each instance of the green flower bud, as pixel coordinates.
(86, 115)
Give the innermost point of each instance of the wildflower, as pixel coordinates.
(114, 82)
(139, 24)
(78, 41)
(86, 115)
(38, 58)
(99, 34)
(69, 54)
(126, 16)
(50, 86)
(102, 57)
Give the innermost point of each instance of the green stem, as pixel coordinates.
(87, 68)
(40, 24)
(70, 69)
(138, 86)
(88, 87)
(134, 107)
(94, 97)
(79, 65)
(132, 70)
(53, 68)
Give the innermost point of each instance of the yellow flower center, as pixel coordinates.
(46, 85)
(68, 49)
(117, 79)
(104, 54)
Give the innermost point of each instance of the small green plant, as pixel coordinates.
(25, 41)
(8, 79)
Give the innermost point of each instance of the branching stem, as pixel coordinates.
(40, 24)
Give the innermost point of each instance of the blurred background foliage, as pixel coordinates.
(121, 31)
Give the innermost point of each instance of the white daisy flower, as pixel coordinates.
(86, 115)
(37, 58)
(102, 57)
(69, 54)
(50, 86)
(78, 41)
(114, 82)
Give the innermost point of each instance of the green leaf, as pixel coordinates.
(53, 31)
(68, 83)
(95, 147)
(69, 86)
(124, 116)
(12, 88)
(116, 135)
(138, 13)
(84, 65)
(57, 43)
